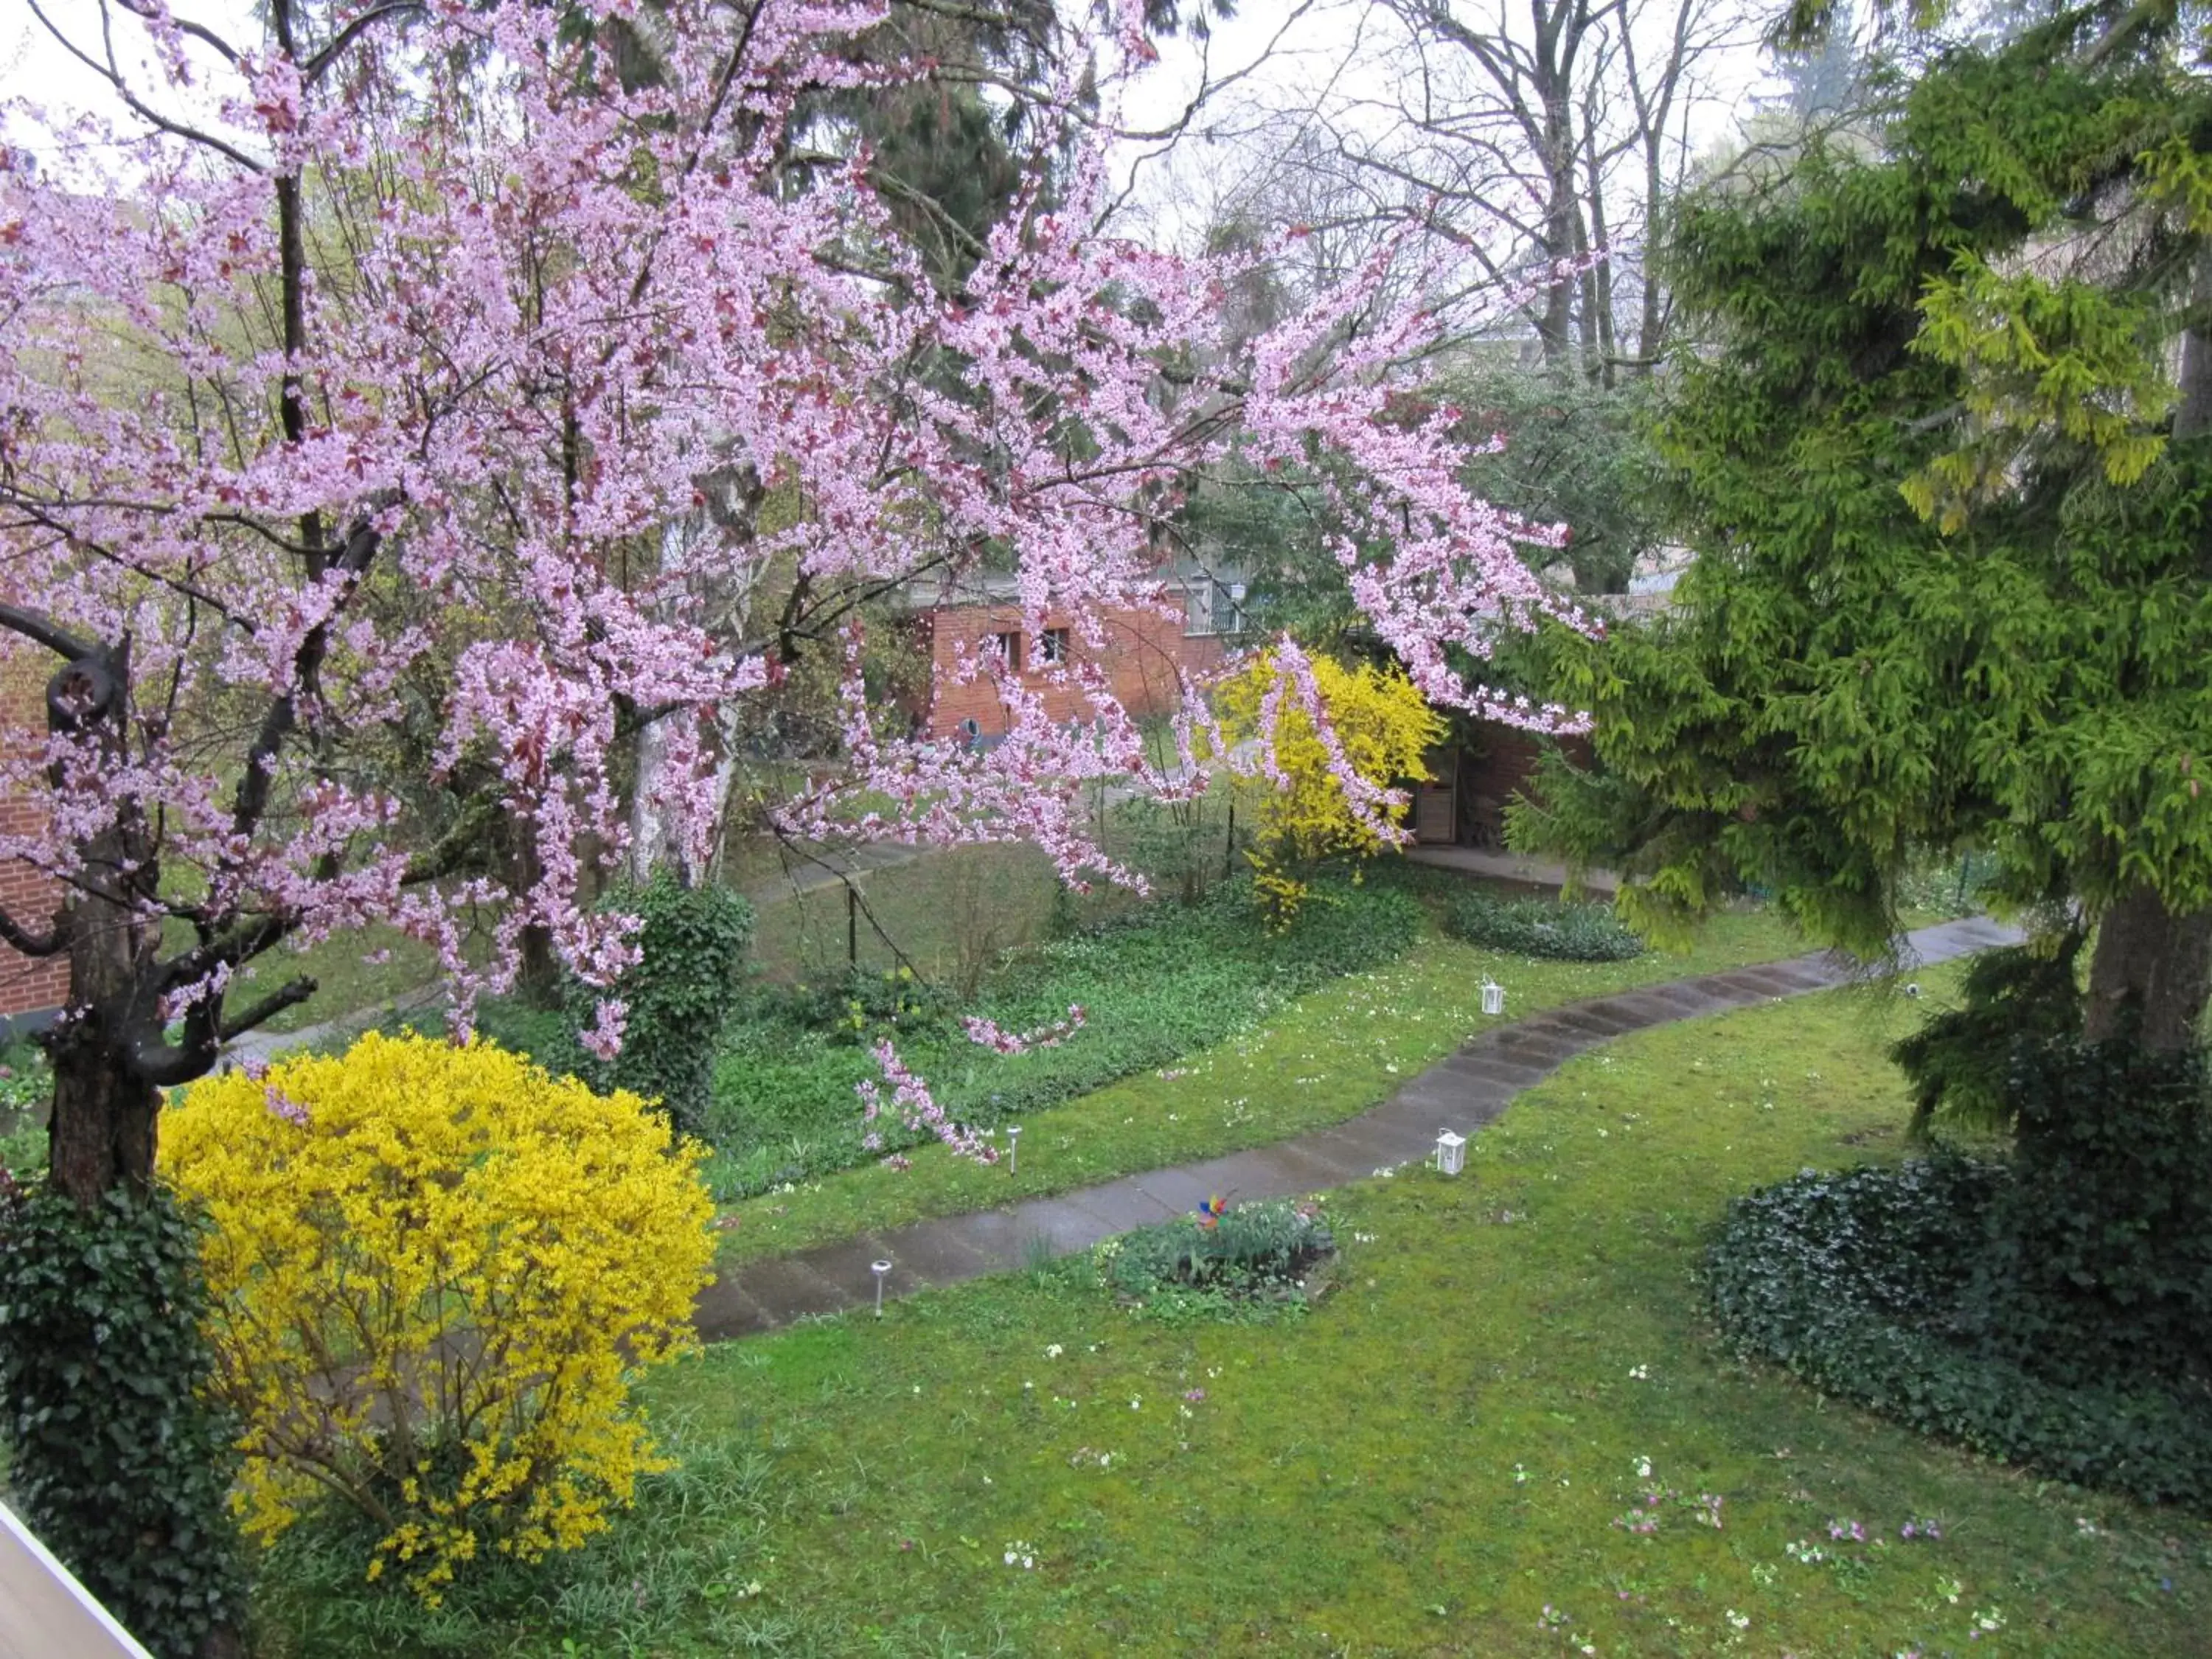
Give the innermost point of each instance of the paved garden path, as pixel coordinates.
(1462, 1092)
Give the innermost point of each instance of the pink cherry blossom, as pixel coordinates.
(365, 438)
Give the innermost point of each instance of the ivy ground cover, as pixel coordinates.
(1507, 1431)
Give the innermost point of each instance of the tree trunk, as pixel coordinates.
(537, 974)
(728, 518)
(2152, 974)
(2153, 970)
(102, 1131)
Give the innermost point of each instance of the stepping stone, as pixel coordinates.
(1377, 1144)
(1442, 1098)
(935, 1253)
(1686, 999)
(1060, 1226)
(1578, 1017)
(1291, 1167)
(1632, 1011)
(1484, 1070)
(785, 1289)
(1121, 1205)
(1734, 990)
(998, 1237)
(723, 1310)
(1808, 973)
(845, 1264)
(1421, 1122)
(1178, 1191)
(1270, 1172)
(1547, 1048)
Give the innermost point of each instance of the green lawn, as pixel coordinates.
(1329, 1055)
(358, 969)
(1432, 1461)
(949, 913)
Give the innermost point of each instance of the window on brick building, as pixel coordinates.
(1009, 645)
(1214, 607)
(1053, 646)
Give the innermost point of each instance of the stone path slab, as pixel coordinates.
(1462, 1092)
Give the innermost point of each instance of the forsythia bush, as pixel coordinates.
(432, 1271)
(1384, 728)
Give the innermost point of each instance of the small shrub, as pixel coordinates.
(860, 1007)
(1540, 927)
(677, 998)
(119, 1459)
(661, 1583)
(1383, 729)
(1252, 1252)
(1962, 1060)
(433, 1269)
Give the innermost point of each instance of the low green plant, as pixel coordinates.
(1901, 1290)
(1962, 1060)
(688, 981)
(117, 1458)
(27, 1085)
(1155, 985)
(1541, 927)
(1262, 1252)
(635, 1589)
(2099, 1266)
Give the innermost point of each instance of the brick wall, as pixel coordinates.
(1498, 764)
(1142, 651)
(26, 985)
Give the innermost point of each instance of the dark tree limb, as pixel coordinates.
(37, 626)
(288, 994)
(21, 940)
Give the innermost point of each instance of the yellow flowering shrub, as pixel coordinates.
(434, 1271)
(1384, 728)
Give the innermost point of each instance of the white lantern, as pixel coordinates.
(879, 1268)
(1013, 1148)
(1493, 997)
(1451, 1153)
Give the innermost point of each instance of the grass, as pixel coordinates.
(1327, 1056)
(1430, 1462)
(950, 913)
(357, 969)
(1164, 983)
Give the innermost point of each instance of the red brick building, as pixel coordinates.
(1470, 783)
(29, 988)
(1144, 651)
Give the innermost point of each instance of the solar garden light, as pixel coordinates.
(1493, 997)
(879, 1268)
(1451, 1153)
(1014, 1147)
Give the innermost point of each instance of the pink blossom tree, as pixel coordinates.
(370, 395)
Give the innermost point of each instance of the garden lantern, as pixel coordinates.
(1013, 1148)
(879, 1268)
(1493, 997)
(1451, 1153)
